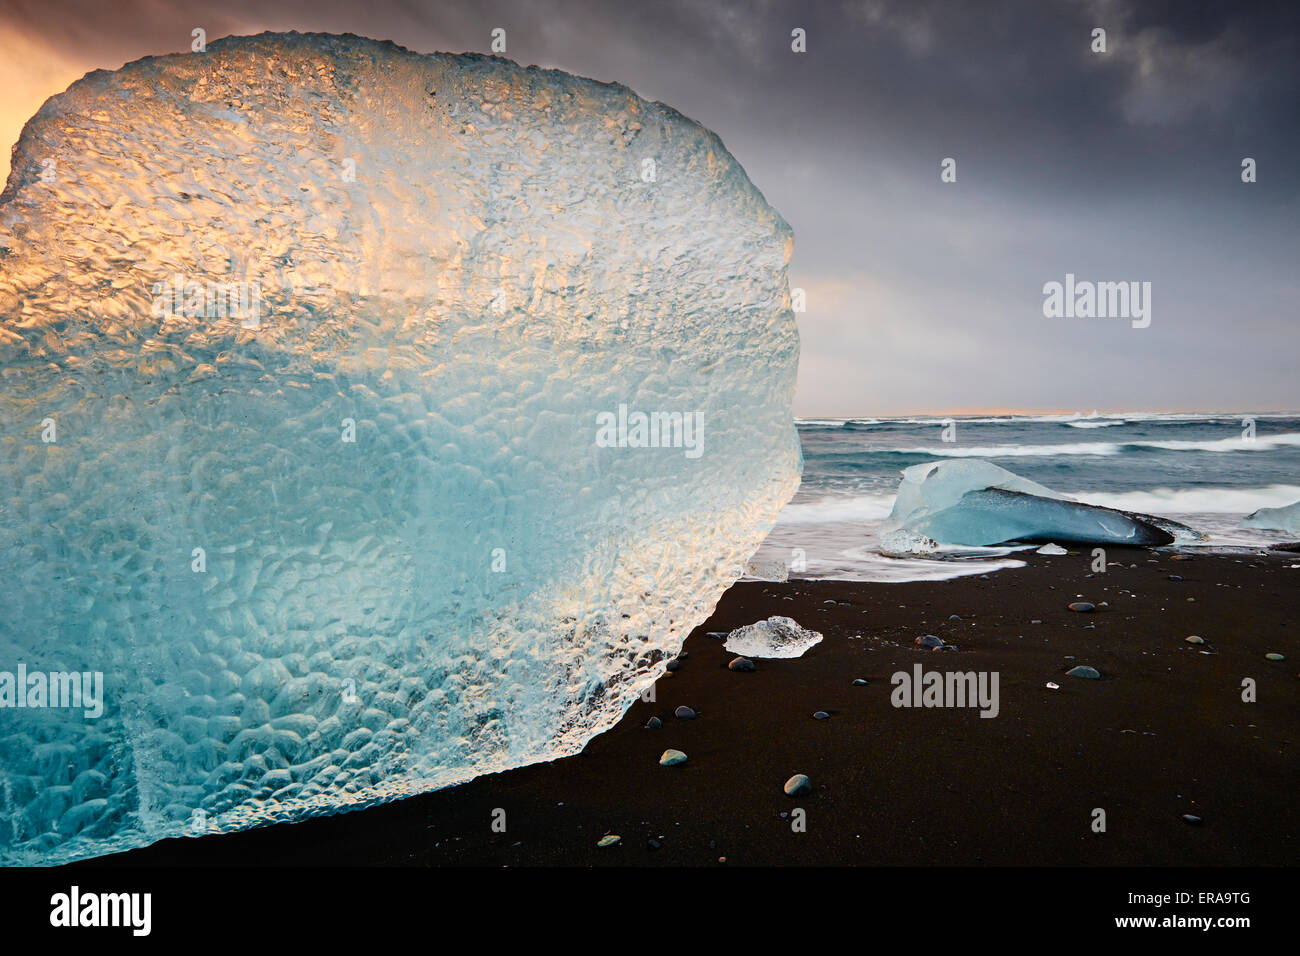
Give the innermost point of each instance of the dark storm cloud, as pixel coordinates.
(924, 295)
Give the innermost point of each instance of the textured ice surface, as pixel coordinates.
(474, 270)
(775, 637)
(903, 543)
(975, 502)
(1286, 518)
(768, 571)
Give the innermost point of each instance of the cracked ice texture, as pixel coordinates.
(497, 273)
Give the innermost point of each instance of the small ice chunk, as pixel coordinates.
(1286, 518)
(904, 543)
(768, 571)
(775, 637)
(1054, 549)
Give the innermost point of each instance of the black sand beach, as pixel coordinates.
(1163, 733)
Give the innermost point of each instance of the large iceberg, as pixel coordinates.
(975, 503)
(371, 421)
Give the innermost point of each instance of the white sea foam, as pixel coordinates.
(1234, 443)
(839, 509)
(1182, 501)
(1078, 419)
(955, 450)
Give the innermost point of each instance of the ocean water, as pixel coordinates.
(1207, 471)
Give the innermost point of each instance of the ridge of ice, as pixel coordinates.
(976, 503)
(465, 263)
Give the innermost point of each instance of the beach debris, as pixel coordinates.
(775, 637)
(1083, 607)
(821, 715)
(684, 713)
(929, 640)
(654, 723)
(1275, 657)
(1053, 686)
(609, 840)
(1084, 671)
(947, 647)
(741, 664)
(1053, 549)
(672, 758)
(797, 784)
(1194, 639)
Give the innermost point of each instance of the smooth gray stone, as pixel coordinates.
(797, 784)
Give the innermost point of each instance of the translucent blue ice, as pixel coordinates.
(1286, 518)
(370, 421)
(976, 503)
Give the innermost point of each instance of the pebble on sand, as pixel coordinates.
(929, 640)
(684, 712)
(821, 715)
(1083, 607)
(1191, 818)
(1194, 639)
(741, 664)
(672, 758)
(859, 682)
(609, 840)
(1083, 670)
(797, 784)
(1275, 657)
(654, 723)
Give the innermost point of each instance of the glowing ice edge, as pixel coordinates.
(468, 261)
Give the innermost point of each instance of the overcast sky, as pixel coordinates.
(922, 295)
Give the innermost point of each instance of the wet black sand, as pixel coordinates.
(907, 787)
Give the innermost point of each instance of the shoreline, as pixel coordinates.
(1164, 732)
